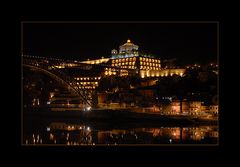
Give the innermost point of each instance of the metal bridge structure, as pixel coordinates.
(50, 66)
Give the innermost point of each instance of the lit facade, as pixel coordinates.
(142, 65)
(96, 61)
(87, 82)
(161, 73)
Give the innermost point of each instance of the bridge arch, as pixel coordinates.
(69, 83)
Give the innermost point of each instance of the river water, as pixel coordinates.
(39, 130)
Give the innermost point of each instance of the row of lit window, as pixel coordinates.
(110, 73)
(149, 60)
(87, 83)
(151, 64)
(142, 67)
(88, 78)
(124, 59)
(162, 75)
(126, 63)
(130, 67)
(150, 68)
(122, 73)
(110, 69)
(86, 87)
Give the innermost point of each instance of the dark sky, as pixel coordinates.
(188, 42)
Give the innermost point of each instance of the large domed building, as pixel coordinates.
(129, 61)
(145, 65)
(126, 50)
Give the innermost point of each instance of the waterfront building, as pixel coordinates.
(141, 64)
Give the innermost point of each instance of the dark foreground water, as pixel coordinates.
(66, 131)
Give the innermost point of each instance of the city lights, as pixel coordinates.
(124, 95)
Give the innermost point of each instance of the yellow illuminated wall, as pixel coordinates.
(149, 63)
(97, 61)
(161, 73)
(87, 82)
(129, 63)
(149, 67)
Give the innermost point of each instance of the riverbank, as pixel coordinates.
(123, 117)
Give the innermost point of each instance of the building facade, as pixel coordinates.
(135, 63)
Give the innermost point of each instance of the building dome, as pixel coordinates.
(128, 47)
(129, 43)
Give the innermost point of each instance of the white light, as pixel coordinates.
(88, 108)
(88, 128)
(48, 129)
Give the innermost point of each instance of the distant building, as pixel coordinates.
(188, 107)
(142, 65)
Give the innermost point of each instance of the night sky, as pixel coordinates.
(189, 43)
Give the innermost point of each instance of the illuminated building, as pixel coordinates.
(96, 61)
(87, 82)
(143, 65)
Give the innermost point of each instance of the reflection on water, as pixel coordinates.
(82, 134)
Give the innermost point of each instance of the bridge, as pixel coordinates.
(50, 66)
(55, 69)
